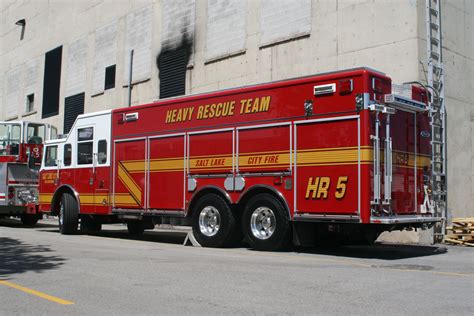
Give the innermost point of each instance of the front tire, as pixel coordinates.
(68, 214)
(266, 225)
(214, 223)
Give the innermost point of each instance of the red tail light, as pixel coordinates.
(346, 86)
(11, 193)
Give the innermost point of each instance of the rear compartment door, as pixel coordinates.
(167, 166)
(327, 171)
(129, 175)
(404, 160)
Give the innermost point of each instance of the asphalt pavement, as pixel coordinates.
(45, 273)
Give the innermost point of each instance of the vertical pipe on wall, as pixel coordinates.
(130, 79)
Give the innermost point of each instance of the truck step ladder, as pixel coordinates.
(437, 113)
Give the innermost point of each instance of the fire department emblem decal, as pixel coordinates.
(425, 134)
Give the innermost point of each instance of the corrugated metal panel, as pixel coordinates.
(173, 73)
(73, 106)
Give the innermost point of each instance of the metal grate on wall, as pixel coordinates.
(73, 106)
(172, 65)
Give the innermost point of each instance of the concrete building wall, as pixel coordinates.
(236, 43)
(458, 56)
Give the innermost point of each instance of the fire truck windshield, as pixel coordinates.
(10, 134)
(35, 133)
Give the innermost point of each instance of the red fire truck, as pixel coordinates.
(21, 147)
(331, 154)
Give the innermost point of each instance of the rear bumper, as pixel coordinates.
(405, 219)
(12, 210)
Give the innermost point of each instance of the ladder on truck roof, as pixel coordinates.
(437, 113)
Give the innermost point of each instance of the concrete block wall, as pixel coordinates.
(226, 28)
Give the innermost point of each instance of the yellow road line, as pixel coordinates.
(36, 293)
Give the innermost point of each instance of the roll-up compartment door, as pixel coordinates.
(264, 149)
(167, 172)
(211, 152)
(129, 174)
(327, 166)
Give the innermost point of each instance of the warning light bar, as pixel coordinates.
(404, 103)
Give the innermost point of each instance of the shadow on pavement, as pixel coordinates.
(150, 236)
(16, 223)
(18, 257)
(378, 251)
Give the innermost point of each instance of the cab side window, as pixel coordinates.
(84, 145)
(67, 154)
(102, 152)
(51, 156)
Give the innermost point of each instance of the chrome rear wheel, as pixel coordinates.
(209, 221)
(263, 223)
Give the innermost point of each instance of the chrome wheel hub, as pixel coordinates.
(263, 223)
(209, 221)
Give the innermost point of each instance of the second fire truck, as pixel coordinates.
(21, 150)
(337, 154)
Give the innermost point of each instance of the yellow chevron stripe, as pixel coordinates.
(175, 164)
(134, 166)
(124, 199)
(326, 156)
(128, 181)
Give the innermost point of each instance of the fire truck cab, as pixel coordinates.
(337, 155)
(21, 147)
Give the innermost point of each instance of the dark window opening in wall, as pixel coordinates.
(109, 77)
(52, 82)
(73, 106)
(172, 66)
(30, 103)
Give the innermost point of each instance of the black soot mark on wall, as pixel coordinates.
(172, 63)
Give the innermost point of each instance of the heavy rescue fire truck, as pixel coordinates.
(21, 148)
(336, 154)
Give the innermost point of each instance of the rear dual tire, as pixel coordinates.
(266, 224)
(214, 223)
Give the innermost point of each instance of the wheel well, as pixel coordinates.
(257, 190)
(57, 198)
(203, 192)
